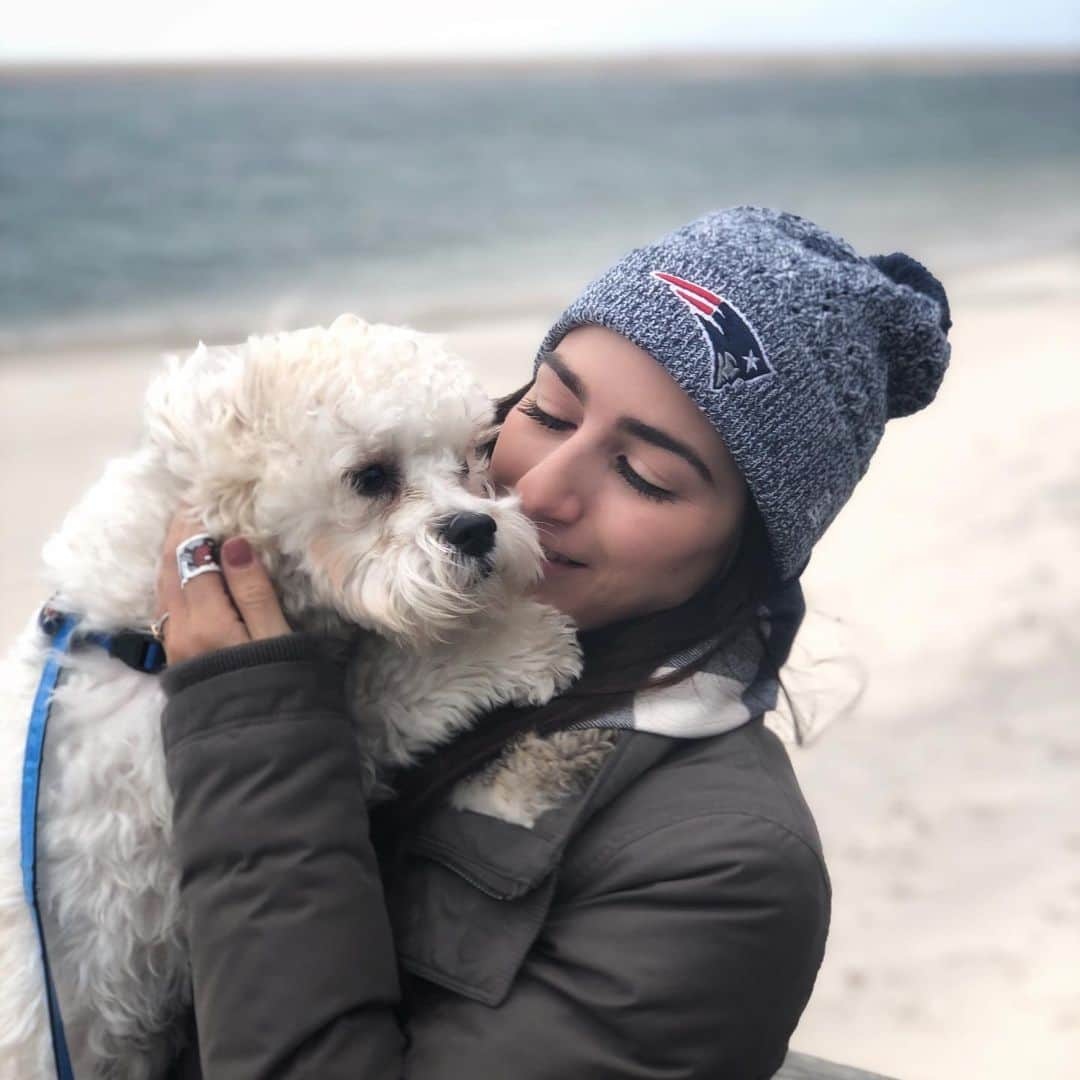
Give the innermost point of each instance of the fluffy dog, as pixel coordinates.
(348, 457)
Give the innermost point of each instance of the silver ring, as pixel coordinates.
(157, 628)
(196, 555)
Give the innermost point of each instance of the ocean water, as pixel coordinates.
(169, 207)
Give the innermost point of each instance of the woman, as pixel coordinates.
(651, 900)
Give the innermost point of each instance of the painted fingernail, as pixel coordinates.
(237, 551)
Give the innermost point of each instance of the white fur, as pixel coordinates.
(535, 774)
(257, 440)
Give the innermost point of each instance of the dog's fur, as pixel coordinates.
(261, 440)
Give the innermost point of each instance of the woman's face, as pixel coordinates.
(621, 473)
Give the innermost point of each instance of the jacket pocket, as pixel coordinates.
(454, 929)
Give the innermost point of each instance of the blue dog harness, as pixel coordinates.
(139, 651)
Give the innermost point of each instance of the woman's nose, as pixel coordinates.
(550, 492)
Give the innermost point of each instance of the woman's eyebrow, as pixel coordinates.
(629, 424)
(665, 441)
(569, 379)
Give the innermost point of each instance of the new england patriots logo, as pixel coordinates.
(737, 353)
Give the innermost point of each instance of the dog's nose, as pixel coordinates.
(473, 534)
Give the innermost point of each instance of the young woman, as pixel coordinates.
(697, 418)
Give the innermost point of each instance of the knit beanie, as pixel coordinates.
(795, 347)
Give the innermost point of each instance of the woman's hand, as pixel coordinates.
(213, 611)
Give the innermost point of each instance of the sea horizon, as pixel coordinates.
(718, 63)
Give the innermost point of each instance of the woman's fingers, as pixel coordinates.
(214, 610)
(201, 616)
(252, 590)
(211, 620)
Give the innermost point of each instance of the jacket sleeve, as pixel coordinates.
(292, 960)
(690, 951)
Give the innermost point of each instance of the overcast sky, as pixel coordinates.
(137, 29)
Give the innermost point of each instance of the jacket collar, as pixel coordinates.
(505, 859)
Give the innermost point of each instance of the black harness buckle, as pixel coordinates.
(143, 652)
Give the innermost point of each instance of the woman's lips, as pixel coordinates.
(558, 560)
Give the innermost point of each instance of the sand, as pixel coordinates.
(947, 793)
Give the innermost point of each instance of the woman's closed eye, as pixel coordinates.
(622, 466)
(531, 409)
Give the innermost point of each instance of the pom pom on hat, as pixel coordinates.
(916, 351)
(905, 270)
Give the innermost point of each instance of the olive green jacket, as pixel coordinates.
(666, 922)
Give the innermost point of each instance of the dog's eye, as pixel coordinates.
(371, 480)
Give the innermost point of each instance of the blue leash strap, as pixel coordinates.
(31, 785)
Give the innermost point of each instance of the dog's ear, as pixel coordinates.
(201, 416)
(195, 395)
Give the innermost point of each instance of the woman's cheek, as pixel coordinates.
(643, 536)
(515, 451)
(662, 537)
(502, 472)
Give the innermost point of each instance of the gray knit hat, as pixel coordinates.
(794, 346)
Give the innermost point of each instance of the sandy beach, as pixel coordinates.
(947, 796)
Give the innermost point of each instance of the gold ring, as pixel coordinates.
(157, 628)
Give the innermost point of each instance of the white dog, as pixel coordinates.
(346, 456)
